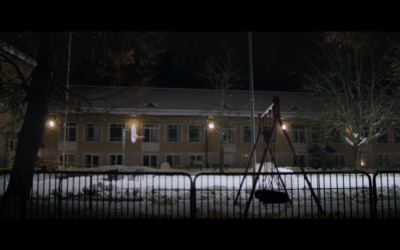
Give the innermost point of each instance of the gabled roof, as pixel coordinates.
(182, 102)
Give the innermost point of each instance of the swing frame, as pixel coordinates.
(275, 109)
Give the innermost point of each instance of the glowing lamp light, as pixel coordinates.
(284, 127)
(51, 123)
(211, 125)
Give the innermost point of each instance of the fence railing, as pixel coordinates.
(155, 195)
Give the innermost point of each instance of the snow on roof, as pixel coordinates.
(186, 102)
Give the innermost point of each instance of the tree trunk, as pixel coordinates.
(357, 160)
(30, 137)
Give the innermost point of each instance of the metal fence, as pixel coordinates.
(154, 195)
(387, 194)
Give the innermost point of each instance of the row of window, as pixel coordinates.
(196, 133)
(151, 160)
(148, 160)
(173, 133)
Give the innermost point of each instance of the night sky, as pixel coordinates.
(275, 56)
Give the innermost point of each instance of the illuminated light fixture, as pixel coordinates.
(284, 127)
(134, 136)
(211, 125)
(51, 123)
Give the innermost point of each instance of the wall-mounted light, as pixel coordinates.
(211, 125)
(51, 123)
(284, 127)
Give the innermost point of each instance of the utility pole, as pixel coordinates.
(253, 130)
(64, 160)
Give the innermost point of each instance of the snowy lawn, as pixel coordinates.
(174, 195)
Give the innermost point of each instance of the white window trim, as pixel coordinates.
(166, 132)
(203, 139)
(84, 131)
(108, 131)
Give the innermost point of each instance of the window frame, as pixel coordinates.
(91, 164)
(68, 128)
(196, 156)
(244, 135)
(154, 132)
(173, 158)
(117, 158)
(201, 137)
(85, 132)
(110, 139)
(151, 163)
(178, 132)
(298, 132)
(229, 134)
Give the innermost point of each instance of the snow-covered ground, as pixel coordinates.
(172, 195)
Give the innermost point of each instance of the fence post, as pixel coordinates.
(374, 199)
(192, 198)
(60, 196)
(90, 192)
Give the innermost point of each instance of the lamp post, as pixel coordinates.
(253, 130)
(209, 126)
(123, 145)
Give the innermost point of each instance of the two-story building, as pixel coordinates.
(176, 126)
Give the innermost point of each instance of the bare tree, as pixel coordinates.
(352, 93)
(224, 72)
(99, 58)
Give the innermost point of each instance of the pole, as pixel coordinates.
(123, 145)
(206, 143)
(253, 132)
(66, 100)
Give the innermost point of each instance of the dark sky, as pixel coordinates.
(275, 56)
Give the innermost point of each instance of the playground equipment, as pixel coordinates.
(266, 194)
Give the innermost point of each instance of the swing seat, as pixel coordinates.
(271, 196)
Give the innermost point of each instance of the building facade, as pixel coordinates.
(176, 126)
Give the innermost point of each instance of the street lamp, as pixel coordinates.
(210, 126)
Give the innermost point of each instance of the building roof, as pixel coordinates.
(181, 102)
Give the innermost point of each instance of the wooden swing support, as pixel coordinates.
(275, 109)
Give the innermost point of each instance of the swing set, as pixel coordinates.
(267, 194)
